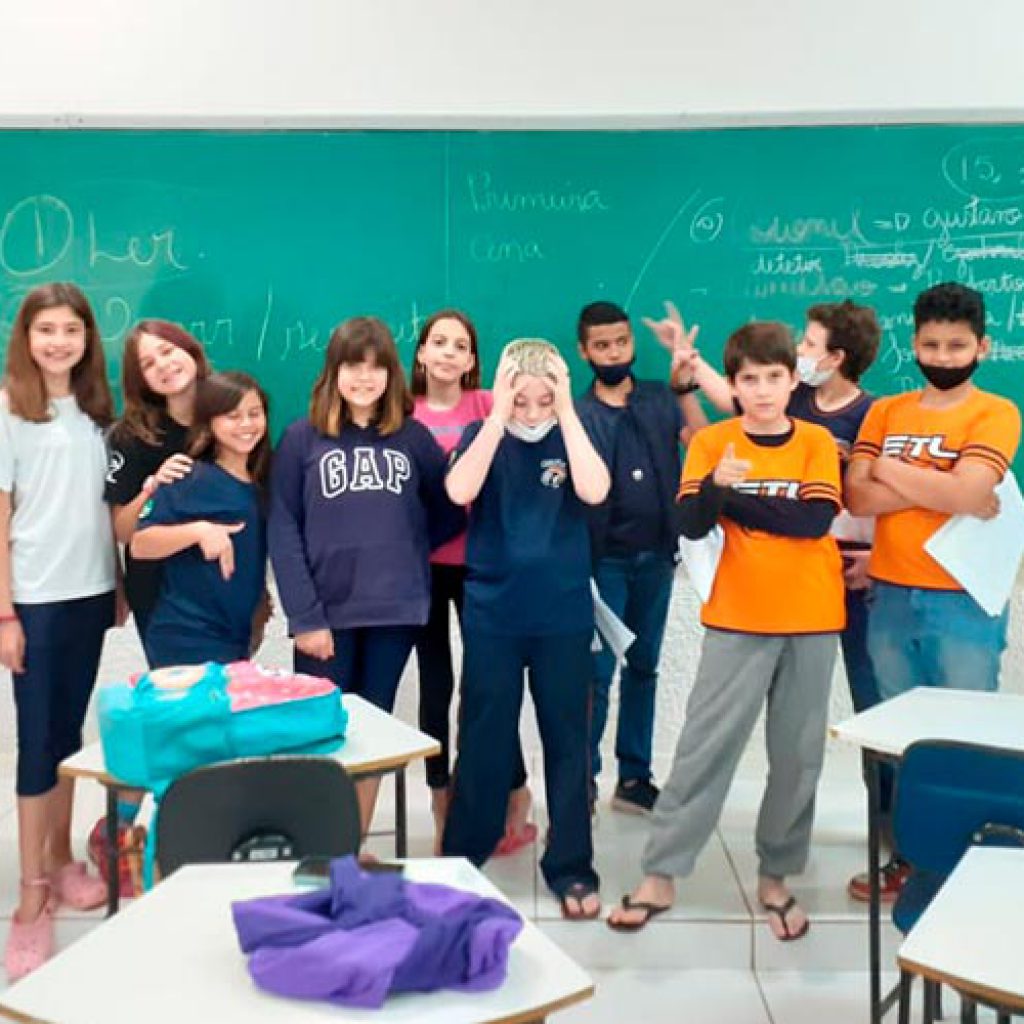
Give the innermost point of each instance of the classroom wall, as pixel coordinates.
(399, 60)
(453, 62)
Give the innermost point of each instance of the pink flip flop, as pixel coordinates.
(78, 890)
(29, 945)
(513, 842)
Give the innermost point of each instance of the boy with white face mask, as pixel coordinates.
(527, 471)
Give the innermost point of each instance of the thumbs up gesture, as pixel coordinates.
(730, 470)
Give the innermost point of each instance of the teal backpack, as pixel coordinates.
(167, 722)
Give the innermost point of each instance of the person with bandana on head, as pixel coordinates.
(920, 458)
(635, 425)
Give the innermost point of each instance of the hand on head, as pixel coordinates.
(507, 384)
(558, 372)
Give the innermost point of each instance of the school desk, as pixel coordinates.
(972, 933)
(376, 744)
(173, 956)
(885, 731)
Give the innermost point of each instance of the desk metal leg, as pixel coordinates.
(113, 868)
(872, 779)
(401, 824)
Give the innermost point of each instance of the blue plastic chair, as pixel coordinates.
(949, 796)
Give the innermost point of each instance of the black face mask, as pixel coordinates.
(612, 375)
(945, 378)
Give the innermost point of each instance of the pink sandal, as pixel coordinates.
(513, 842)
(78, 890)
(30, 944)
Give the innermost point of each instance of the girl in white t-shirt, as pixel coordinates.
(57, 588)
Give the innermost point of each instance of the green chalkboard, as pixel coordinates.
(261, 242)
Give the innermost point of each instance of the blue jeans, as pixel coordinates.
(920, 637)
(860, 674)
(638, 589)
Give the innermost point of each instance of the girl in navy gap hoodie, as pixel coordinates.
(357, 505)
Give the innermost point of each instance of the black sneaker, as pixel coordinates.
(635, 796)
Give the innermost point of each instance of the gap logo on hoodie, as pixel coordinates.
(370, 469)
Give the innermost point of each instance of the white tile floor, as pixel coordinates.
(711, 959)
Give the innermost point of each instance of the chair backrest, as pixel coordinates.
(266, 808)
(946, 795)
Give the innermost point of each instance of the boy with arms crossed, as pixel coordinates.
(920, 458)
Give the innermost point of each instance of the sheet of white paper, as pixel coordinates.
(612, 629)
(701, 558)
(983, 555)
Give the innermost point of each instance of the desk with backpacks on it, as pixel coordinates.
(376, 744)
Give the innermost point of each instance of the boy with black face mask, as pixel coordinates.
(919, 459)
(635, 426)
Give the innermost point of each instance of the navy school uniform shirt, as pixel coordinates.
(843, 423)
(639, 443)
(528, 546)
(197, 606)
(130, 461)
(353, 520)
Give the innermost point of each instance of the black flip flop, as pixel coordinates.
(578, 891)
(649, 909)
(780, 911)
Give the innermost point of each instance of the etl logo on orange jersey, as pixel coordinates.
(917, 446)
(769, 488)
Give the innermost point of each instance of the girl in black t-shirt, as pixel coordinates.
(160, 367)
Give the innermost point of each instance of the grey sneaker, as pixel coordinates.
(635, 796)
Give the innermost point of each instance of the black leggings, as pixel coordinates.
(437, 677)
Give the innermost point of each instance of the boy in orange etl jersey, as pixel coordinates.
(921, 458)
(772, 618)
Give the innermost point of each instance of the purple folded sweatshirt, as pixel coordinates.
(368, 935)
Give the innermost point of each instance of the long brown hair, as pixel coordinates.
(353, 341)
(23, 381)
(470, 380)
(217, 395)
(143, 407)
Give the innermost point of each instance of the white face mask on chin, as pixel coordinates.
(531, 434)
(809, 374)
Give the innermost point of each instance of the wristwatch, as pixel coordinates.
(685, 389)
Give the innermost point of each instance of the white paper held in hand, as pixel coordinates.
(701, 558)
(610, 628)
(983, 555)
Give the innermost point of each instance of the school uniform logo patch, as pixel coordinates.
(553, 472)
(114, 466)
(769, 488)
(917, 446)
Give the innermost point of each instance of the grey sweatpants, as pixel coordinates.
(737, 673)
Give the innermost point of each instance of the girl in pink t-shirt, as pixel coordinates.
(446, 386)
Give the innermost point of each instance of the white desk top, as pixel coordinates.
(972, 934)
(931, 713)
(376, 741)
(173, 956)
